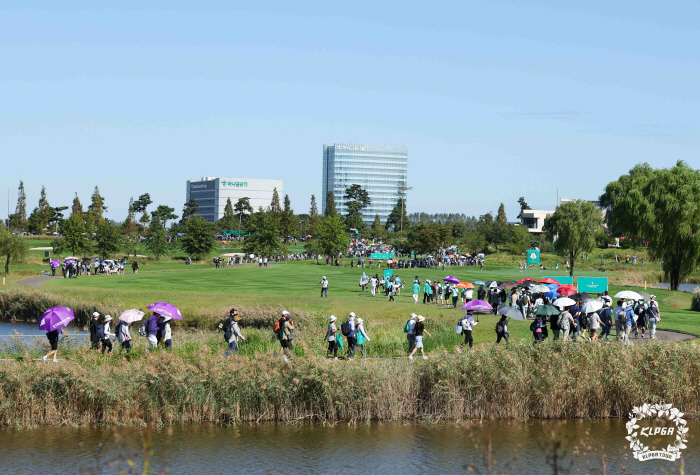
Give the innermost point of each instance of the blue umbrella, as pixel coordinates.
(554, 287)
(552, 295)
(95, 259)
(478, 282)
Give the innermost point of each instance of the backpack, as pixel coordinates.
(345, 329)
(227, 328)
(407, 327)
(500, 327)
(458, 327)
(143, 328)
(525, 299)
(159, 332)
(533, 326)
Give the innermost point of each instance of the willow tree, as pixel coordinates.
(573, 228)
(663, 207)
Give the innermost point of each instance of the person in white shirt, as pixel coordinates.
(331, 338)
(361, 336)
(468, 324)
(324, 286)
(167, 333)
(106, 341)
(373, 285)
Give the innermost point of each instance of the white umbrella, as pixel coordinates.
(564, 302)
(540, 288)
(592, 306)
(493, 284)
(628, 294)
(131, 316)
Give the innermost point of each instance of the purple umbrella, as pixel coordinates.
(451, 280)
(56, 318)
(165, 309)
(54, 263)
(68, 261)
(478, 306)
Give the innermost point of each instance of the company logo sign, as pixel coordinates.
(350, 148)
(661, 421)
(237, 184)
(197, 187)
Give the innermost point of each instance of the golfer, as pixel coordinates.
(324, 286)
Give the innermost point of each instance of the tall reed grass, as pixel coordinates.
(515, 382)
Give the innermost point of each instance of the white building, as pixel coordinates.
(533, 219)
(211, 194)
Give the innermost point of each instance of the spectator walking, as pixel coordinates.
(106, 335)
(419, 330)
(331, 339)
(410, 334)
(361, 336)
(324, 286)
(468, 323)
(232, 332)
(52, 336)
(94, 336)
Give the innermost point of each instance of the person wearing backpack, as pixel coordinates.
(419, 330)
(123, 335)
(554, 326)
(152, 331)
(408, 330)
(538, 328)
(641, 317)
(361, 336)
(605, 314)
(502, 329)
(331, 332)
(468, 323)
(287, 332)
(232, 332)
(620, 319)
(94, 337)
(564, 322)
(348, 329)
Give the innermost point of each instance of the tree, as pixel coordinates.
(330, 204)
(242, 207)
(130, 226)
(77, 207)
(287, 222)
(18, 220)
(12, 247)
(141, 205)
(458, 229)
(494, 230)
(474, 241)
(163, 213)
(34, 222)
(190, 209)
(108, 239)
(44, 212)
(199, 239)
(74, 238)
(663, 207)
(518, 239)
(394, 219)
(378, 231)
(428, 239)
(356, 199)
(264, 239)
(275, 207)
(573, 228)
(523, 206)
(312, 223)
(57, 216)
(95, 211)
(332, 238)
(156, 242)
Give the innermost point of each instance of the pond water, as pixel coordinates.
(534, 447)
(29, 331)
(681, 287)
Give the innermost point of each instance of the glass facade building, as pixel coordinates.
(380, 169)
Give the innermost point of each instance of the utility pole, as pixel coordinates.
(403, 189)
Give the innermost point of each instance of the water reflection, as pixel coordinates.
(303, 448)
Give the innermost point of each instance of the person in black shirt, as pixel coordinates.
(53, 341)
(418, 331)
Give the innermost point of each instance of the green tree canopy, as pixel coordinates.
(428, 238)
(573, 228)
(356, 199)
(18, 220)
(12, 247)
(287, 222)
(264, 239)
(394, 220)
(662, 206)
(330, 204)
(108, 239)
(378, 231)
(141, 205)
(332, 238)
(243, 210)
(163, 213)
(188, 210)
(312, 223)
(523, 206)
(199, 239)
(156, 240)
(74, 237)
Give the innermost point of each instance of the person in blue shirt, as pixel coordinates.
(631, 323)
(620, 316)
(606, 320)
(575, 312)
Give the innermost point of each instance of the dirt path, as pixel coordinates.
(663, 335)
(37, 281)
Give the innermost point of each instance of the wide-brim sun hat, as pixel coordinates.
(359, 320)
(236, 318)
(352, 315)
(333, 318)
(420, 318)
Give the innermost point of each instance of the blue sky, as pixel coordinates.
(494, 100)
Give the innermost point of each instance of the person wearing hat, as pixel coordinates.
(287, 335)
(350, 353)
(123, 335)
(653, 316)
(152, 328)
(419, 330)
(361, 336)
(106, 334)
(410, 334)
(415, 288)
(427, 292)
(324, 286)
(331, 338)
(167, 333)
(94, 335)
(232, 332)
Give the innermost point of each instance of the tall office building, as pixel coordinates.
(380, 169)
(211, 194)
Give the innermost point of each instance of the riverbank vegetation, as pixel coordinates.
(513, 382)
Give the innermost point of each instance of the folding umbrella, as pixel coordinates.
(539, 288)
(56, 318)
(165, 309)
(552, 295)
(645, 295)
(54, 263)
(465, 285)
(549, 280)
(567, 289)
(451, 280)
(582, 297)
(131, 316)
(522, 281)
(564, 302)
(511, 312)
(478, 282)
(508, 285)
(492, 283)
(552, 287)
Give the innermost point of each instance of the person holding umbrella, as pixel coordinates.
(167, 333)
(52, 336)
(53, 321)
(468, 323)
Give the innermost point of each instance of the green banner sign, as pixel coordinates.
(533, 257)
(562, 279)
(592, 284)
(388, 273)
(382, 255)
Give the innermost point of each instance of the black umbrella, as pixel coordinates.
(582, 297)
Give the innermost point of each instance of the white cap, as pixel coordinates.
(359, 320)
(284, 312)
(413, 315)
(653, 296)
(352, 315)
(95, 314)
(324, 277)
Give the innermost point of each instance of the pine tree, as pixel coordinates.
(228, 221)
(130, 229)
(21, 210)
(312, 223)
(77, 207)
(242, 207)
(501, 216)
(94, 215)
(330, 204)
(189, 210)
(44, 212)
(378, 231)
(287, 221)
(275, 207)
(394, 219)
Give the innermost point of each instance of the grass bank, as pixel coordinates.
(514, 382)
